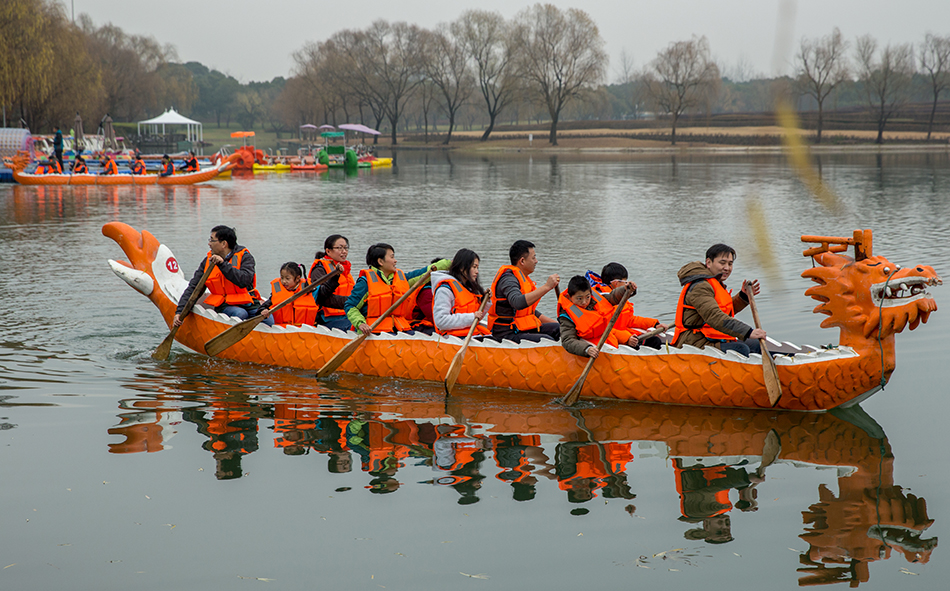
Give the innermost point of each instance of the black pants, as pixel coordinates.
(551, 330)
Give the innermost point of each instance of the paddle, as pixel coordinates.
(240, 330)
(165, 347)
(769, 372)
(574, 393)
(456, 366)
(343, 354)
(650, 333)
(770, 451)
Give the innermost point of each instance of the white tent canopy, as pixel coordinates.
(194, 133)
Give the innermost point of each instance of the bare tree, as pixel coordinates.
(886, 79)
(626, 68)
(681, 77)
(561, 53)
(388, 60)
(742, 71)
(935, 62)
(488, 40)
(447, 67)
(821, 66)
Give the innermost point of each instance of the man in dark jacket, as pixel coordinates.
(232, 284)
(58, 147)
(705, 313)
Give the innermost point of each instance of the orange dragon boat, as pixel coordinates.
(868, 298)
(189, 178)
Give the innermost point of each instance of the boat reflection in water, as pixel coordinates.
(715, 454)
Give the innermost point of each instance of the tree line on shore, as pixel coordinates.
(545, 65)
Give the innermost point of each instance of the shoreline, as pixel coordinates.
(685, 149)
(691, 140)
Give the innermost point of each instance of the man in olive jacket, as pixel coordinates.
(705, 314)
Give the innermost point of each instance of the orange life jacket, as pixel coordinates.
(723, 298)
(524, 320)
(80, 168)
(56, 168)
(302, 311)
(225, 292)
(168, 168)
(191, 165)
(590, 324)
(465, 302)
(344, 289)
(43, 169)
(381, 295)
(628, 318)
(138, 167)
(110, 167)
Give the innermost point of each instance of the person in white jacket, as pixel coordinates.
(457, 296)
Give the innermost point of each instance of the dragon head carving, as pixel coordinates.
(870, 298)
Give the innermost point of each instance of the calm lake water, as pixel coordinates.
(117, 471)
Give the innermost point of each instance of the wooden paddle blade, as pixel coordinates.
(772, 383)
(770, 451)
(164, 348)
(232, 335)
(570, 399)
(769, 373)
(341, 356)
(454, 368)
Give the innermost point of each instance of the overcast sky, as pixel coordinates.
(255, 40)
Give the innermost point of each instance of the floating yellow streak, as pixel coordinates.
(761, 237)
(798, 156)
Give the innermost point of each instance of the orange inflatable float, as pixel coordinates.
(868, 298)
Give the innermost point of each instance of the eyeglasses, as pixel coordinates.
(341, 248)
(213, 239)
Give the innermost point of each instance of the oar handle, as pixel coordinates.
(309, 289)
(421, 281)
(650, 333)
(196, 293)
(471, 329)
(755, 311)
(613, 319)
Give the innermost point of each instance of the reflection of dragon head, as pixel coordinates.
(870, 298)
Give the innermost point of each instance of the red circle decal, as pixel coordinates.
(171, 264)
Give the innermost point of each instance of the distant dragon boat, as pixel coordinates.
(189, 178)
(867, 297)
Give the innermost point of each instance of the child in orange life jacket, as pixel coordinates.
(378, 287)
(612, 275)
(584, 315)
(304, 309)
